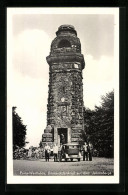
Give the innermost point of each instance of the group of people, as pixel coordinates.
(35, 153)
(51, 151)
(55, 152)
(87, 151)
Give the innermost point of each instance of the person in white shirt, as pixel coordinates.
(47, 152)
(55, 152)
(29, 153)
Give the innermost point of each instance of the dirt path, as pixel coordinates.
(99, 166)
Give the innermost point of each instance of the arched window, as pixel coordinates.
(64, 43)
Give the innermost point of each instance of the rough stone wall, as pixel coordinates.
(66, 82)
(65, 98)
(48, 134)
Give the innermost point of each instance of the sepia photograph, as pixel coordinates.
(62, 95)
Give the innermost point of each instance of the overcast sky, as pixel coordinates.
(31, 38)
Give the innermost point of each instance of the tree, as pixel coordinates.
(99, 125)
(88, 123)
(40, 144)
(107, 124)
(19, 130)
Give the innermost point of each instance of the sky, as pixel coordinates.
(31, 35)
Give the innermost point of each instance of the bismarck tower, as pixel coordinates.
(65, 98)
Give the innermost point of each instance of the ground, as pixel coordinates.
(98, 166)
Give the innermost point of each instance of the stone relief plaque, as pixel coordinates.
(76, 135)
(47, 135)
(76, 130)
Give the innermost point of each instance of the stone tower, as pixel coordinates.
(65, 98)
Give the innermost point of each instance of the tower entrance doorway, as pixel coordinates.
(62, 135)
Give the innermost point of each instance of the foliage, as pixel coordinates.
(19, 130)
(40, 144)
(99, 126)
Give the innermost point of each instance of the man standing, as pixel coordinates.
(85, 151)
(29, 152)
(90, 151)
(55, 152)
(62, 138)
(36, 153)
(47, 152)
(60, 152)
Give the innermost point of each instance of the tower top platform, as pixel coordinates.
(66, 47)
(66, 28)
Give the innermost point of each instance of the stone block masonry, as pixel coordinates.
(65, 97)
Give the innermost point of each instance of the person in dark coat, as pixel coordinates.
(62, 138)
(90, 151)
(55, 152)
(85, 151)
